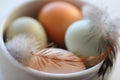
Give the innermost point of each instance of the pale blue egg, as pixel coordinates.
(80, 40)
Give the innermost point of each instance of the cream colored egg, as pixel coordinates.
(27, 25)
(80, 40)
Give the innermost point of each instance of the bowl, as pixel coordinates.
(12, 70)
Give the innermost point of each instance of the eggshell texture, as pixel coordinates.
(27, 25)
(56, 17)
(80, 40)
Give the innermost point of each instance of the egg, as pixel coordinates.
(56, 16)
(79, 38)
(27, 25)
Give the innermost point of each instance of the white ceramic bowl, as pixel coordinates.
(12, 70)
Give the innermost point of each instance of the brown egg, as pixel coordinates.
(56, 17)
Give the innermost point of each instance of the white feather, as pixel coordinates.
(107, 30)
(22, 46)
(104, 25)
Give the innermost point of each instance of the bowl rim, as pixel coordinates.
(30, 70)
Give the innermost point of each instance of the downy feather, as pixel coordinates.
(107, 29)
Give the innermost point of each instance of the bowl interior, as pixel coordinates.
(31, 9)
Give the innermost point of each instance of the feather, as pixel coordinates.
(55, 60)
(26, 50)
(107, 31)
(22, 46)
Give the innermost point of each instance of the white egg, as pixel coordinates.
(27, 25)
(80, 40)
